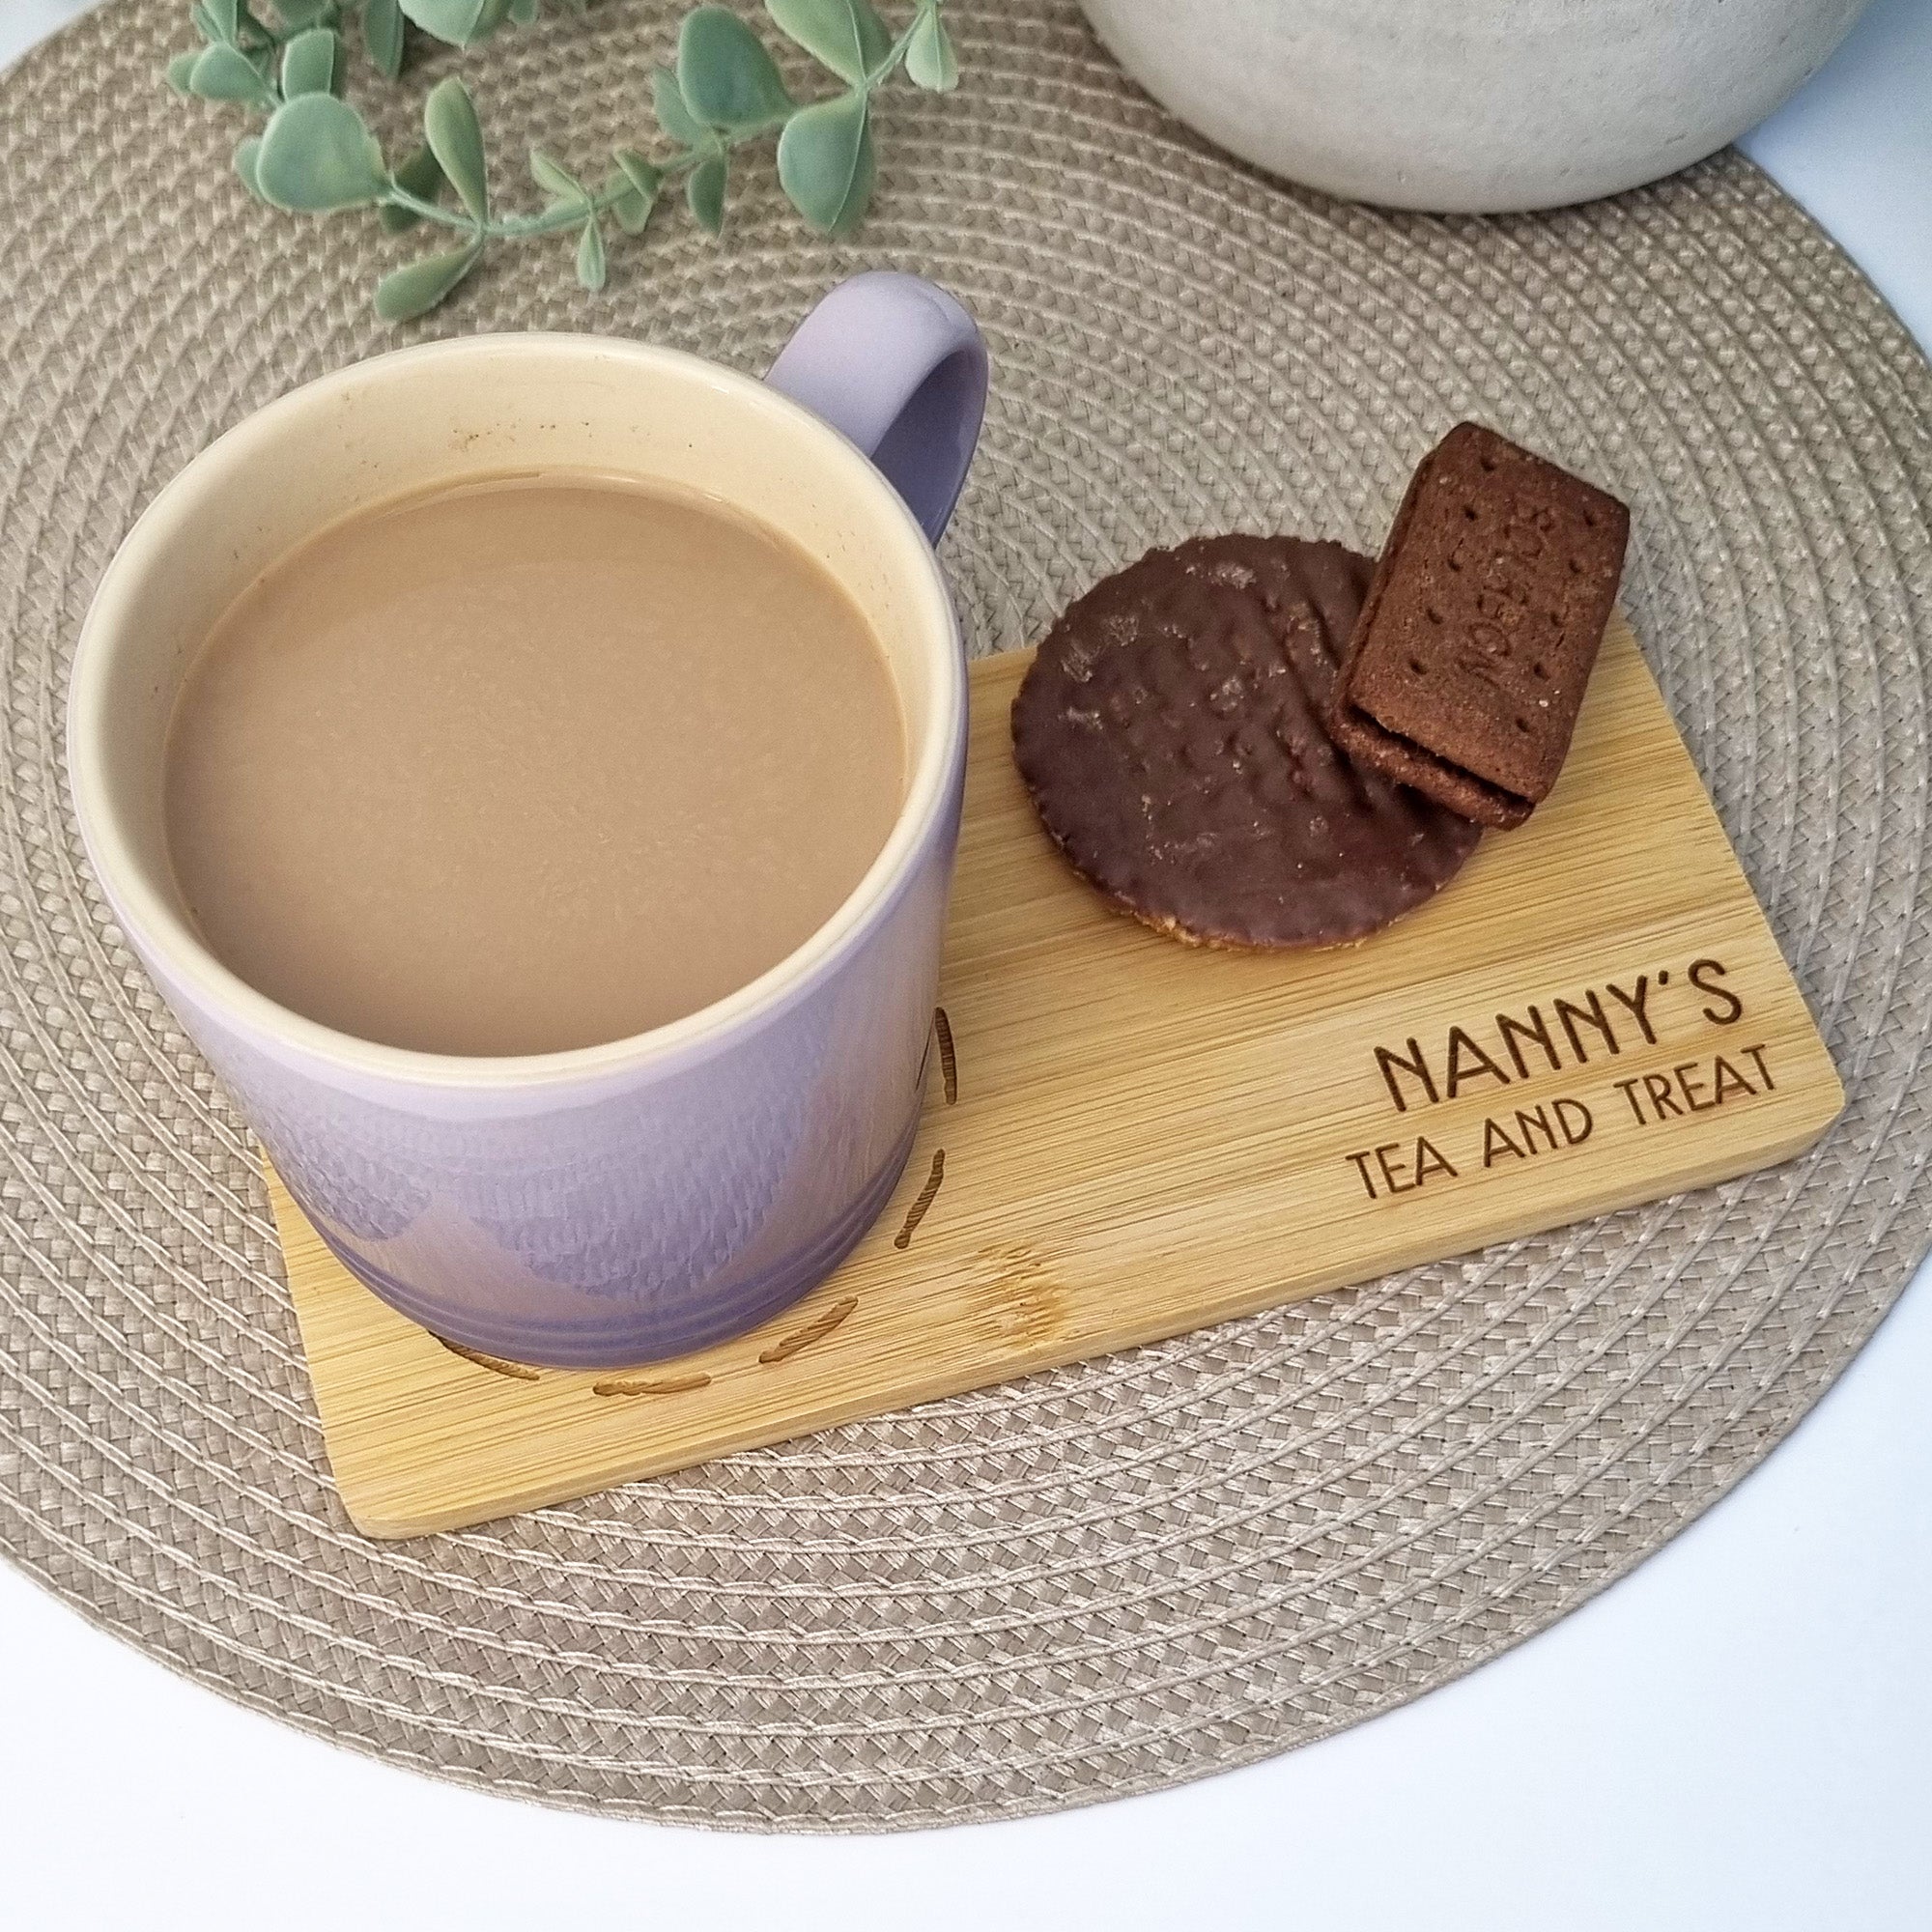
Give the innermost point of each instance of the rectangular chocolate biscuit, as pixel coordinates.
(1468, 666)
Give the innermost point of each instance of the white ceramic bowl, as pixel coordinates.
(1471, 105)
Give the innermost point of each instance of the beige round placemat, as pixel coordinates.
(1121, 1574)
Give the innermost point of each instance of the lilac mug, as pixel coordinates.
(622, 1203)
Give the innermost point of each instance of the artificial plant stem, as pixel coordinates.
(566, 215)
(318, 154)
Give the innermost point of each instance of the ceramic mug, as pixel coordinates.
(622, 1203)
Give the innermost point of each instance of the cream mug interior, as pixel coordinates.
(428, 1173)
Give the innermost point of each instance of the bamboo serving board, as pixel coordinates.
(1125, 1138)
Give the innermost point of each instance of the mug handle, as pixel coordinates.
(897, 366)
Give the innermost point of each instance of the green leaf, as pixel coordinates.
(226, 16)
(204, 23)
(180, 71)
(524, 11)
(406, 293)
(383, 36)
(244, 165)
(301, 12)
(460, 22)
(640, 174)
(317, 154)
(704, 193)
(422, 176)
(725, 74)
(555, 179)
(592, 265)
(456, 140)
(309, 63)
(221, 73)
(826, 163)
(674, 117)
(642, 182)
(628, 208)
(930, 62)
(847, 35)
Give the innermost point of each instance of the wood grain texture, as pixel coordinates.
(1143, 1138)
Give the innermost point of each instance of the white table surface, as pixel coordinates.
(1740, 1735)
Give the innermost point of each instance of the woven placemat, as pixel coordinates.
(1120, 1575)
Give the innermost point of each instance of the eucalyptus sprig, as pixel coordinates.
(317, 155)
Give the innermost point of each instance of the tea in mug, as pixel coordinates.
(529, 763)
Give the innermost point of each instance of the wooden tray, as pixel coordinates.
(1125, 1138)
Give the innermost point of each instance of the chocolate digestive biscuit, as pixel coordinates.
(1172, 733)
